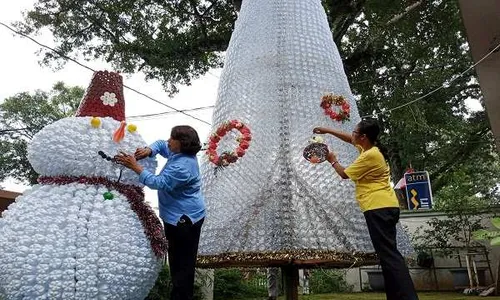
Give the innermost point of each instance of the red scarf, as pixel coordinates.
(135, 196)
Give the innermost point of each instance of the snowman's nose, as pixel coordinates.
(119, 133)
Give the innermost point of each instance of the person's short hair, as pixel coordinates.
(188, 137)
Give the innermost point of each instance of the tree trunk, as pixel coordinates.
(497, 279)
(467, 261)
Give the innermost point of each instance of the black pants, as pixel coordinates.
(382, 227)
(182, 251)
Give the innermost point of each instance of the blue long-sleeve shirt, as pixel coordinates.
(178, 185)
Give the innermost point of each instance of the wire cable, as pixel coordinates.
(90, 69)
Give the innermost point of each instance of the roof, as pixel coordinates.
(6, 199)
(8, 195)
(482, 26)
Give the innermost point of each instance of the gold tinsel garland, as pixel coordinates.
(304, 258)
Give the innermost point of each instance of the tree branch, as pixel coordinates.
(366, 51)
(406, 11)
(212, 5)
(199, 18)
(460, 154)
(342, 15)
(115, 39)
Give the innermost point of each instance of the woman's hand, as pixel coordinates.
(331, 157)
(141, 153)
(337, 133)
(321, 130)
(128, 161)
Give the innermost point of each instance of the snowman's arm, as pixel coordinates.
(169, 179)
(160, 147)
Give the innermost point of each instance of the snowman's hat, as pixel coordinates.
(104, 97)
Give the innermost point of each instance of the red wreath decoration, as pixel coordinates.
(228, 157)
(328, 101)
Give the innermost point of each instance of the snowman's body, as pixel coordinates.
(63, 240)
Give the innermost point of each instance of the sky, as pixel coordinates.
(20, 71)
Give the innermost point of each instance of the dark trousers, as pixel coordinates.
(182, 251)
(382, 227)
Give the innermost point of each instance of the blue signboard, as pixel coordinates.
(418, 190)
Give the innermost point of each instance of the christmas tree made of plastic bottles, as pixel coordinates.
(266, 204)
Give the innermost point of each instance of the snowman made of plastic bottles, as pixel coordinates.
(84, 232)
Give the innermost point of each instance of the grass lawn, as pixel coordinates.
(380, 296)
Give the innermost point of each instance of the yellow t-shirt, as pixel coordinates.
(371, 175)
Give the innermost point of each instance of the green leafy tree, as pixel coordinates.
(463, 216)
(493, 236)
(231, 284)
(22, 116)
(175, 41)
(393, 51)
(323, 281)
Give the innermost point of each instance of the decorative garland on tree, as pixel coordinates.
(329, 101)
(228, 157)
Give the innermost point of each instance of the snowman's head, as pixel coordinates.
(74, 146)
(71, 146)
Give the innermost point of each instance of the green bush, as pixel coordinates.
(328, 281)
(230, 284)
(163, 287)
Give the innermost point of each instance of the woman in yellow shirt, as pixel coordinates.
(371, 174)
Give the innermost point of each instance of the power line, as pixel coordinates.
(444, 144)
(213, 74)
(442, 86)
(2, 131)
(166, 105)
(90, 69)
(45, 46)
(402, 73)
(145, 116)
(382, 76)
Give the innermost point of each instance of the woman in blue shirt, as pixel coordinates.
(181, 203)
